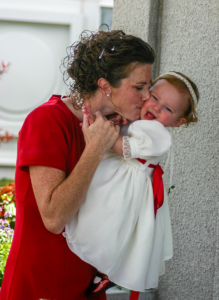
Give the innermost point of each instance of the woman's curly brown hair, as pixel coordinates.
(102, 54)
(190, 114)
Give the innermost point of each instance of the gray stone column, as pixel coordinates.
(141, 18)
(189, 44)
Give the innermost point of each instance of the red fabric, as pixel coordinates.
(142, 161)
(158, 188)
(134, 295)
(157, 184)
(40, 264)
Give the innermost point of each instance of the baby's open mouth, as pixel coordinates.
(150, 116)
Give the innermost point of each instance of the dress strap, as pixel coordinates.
(142, 161)
(157, 184)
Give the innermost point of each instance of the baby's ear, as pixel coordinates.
(179, 122)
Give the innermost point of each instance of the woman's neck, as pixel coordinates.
(98, 102)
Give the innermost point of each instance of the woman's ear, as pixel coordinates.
(179, 122)
(104, 86)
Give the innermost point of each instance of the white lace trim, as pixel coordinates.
(126, 147)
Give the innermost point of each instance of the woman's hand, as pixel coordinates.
(100, 135)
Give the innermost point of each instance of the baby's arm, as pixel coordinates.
(145, 139)
(117, 147)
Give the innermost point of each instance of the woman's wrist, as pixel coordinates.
(95, 152)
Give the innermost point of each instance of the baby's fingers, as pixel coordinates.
(124, 121)
(85, 123)
(89, 113)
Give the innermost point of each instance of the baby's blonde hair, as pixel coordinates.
(190, 114)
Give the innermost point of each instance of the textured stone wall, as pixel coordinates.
(138, 17)
(189, 44)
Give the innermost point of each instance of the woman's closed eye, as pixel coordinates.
(154, 98)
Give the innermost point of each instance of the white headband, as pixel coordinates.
(194, 98)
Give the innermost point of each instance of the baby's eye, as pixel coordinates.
(167, 108)
(139, 88)
(155, 98)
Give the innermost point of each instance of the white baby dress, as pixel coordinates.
(115, 229)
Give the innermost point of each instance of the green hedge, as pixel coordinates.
(5, 181)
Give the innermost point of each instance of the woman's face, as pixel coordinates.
(133, 92)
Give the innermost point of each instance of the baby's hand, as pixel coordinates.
(119, 120)
(88, 112)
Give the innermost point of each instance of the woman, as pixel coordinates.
(111, 72)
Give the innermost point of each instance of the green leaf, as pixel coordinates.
(5, 245)
(11, 208)
(171, 189)
(5, 181)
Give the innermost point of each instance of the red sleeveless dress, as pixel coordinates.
(40, 264)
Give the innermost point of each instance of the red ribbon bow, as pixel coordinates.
(157, 184)
(158, 190)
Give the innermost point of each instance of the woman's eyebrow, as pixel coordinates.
(141, 82)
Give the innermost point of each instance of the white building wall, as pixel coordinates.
(34, 35)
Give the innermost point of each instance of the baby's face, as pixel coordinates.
(166, 105)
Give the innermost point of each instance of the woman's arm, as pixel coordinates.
(58, 197)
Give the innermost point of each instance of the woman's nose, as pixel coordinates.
(147, 95)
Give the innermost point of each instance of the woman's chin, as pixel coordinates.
(134, 117)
